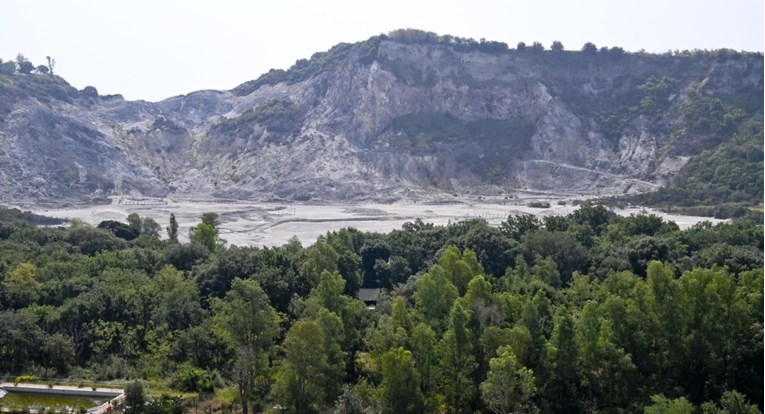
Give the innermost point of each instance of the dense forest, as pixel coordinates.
(586, 313)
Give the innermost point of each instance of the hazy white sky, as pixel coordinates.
(154, 49)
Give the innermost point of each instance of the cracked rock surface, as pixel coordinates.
(411, 121)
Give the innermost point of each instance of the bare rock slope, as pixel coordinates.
(387, 118)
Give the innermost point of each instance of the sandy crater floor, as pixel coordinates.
(263, 224)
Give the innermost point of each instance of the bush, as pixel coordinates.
(539, 204)
(91, 240)
(281, 117)
(89, 92)
(121, 230)
(24, 378)
(7, 68)
(194, 380)
(134, 398)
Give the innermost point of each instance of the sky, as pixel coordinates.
(156, 49)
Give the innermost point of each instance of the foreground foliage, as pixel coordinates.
(591, 312)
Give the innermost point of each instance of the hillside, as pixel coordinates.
(407, 115)
(723, 182)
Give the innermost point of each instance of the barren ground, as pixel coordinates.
(263, 224)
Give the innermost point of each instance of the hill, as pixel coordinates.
(723, 182)
(405, 115)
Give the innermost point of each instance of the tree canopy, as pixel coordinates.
(589, 312)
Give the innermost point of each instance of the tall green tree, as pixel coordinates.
(334, 338)
(328, 295)
(607, 370)
(434, 296)
(457, 361)
(731, 402)
(135, 222)
(400, 314)
(319, 258)
(538, 319)
(178, 306)
(665, 312)
(485, 311)
(424, 345)
(211, 219)
(205, 235)
(562, 391)
(150, 228)
(300, 381)
(663, 405)
(509, 386)
(246, 320)
(457, 269)
(399, 391)
(172, 229)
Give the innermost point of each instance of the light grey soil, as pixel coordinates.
(262, 224)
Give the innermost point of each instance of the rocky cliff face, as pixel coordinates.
(384, 119)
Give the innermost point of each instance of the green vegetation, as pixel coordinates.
(15, 215)
(367, 51)
(539, 204)
(319, 63)
(415, 36)
(709, 115)
(44, 88)
(628, 97)
(585, 313)
(684, 98)
(724, 182)
(618, 98)
(280, 117)
(590, 312)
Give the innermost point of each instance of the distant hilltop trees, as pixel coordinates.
(483, 45)
(23, 65)
(489, 46)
